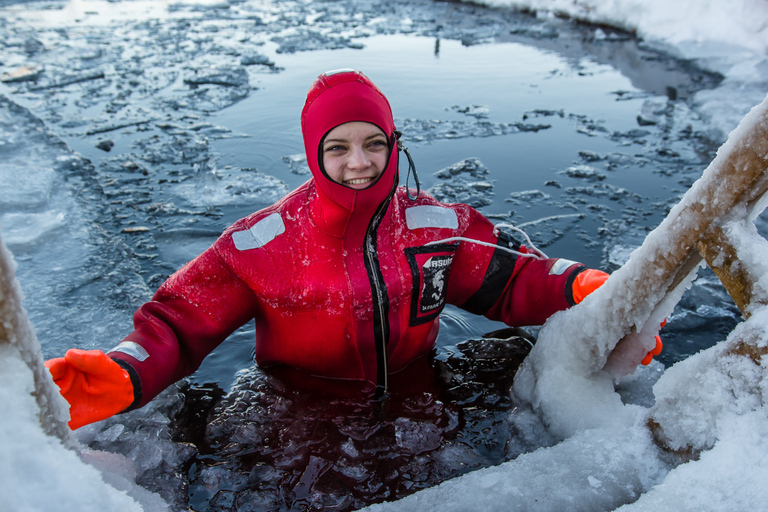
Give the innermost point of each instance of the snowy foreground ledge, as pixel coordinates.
(710, 407)
(42, 468)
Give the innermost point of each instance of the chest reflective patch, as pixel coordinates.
(260, 233)
(430, 216)
(559, 266)
(132, 349)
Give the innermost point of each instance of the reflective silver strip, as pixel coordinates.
(132, 349)
(560, 266)
(429, 216)
(260, 233)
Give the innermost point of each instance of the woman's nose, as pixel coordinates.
(358, 159)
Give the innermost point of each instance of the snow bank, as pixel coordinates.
(729, 37)
(582, 473)
(741, 23)
(39, 472)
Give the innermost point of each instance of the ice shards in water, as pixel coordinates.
(282, 442)
(464, 182)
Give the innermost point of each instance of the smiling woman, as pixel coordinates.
(355, 154)
(361, 305)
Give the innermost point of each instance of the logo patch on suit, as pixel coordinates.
(430, 268)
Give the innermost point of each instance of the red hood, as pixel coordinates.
(336, 98)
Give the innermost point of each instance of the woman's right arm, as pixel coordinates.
(189, 316)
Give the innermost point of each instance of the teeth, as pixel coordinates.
(359, 181)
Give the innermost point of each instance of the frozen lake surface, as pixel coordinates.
(132, 133)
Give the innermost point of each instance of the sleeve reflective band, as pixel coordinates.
(132, 349)
(560, 266)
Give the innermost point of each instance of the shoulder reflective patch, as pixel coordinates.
(260, 233)
(561, 265)
(430, 216)
(337, 71)
(132, 349)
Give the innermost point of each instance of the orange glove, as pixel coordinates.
(586, 282)
(590, 280)
(656, 350)
(95, 386)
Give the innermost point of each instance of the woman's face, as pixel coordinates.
(355, 154)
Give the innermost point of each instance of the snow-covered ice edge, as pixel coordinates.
(729, 37)
(43, 469)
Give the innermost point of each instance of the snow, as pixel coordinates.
(711, 405)
(41, 471)
(729, 37)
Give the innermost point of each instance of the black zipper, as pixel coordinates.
(380, 298)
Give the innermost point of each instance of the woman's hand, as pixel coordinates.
(632, 349)
(95, 386)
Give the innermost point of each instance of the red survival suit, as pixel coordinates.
(341, 283)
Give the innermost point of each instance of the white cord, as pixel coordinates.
(515, 228)
(537, 254)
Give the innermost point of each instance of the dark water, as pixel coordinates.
(273, 443)
(189, 119)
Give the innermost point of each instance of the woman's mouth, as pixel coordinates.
(358, 181)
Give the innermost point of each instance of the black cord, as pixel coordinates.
(411, 166)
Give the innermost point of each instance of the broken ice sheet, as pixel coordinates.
(297, 163)
(477, 111)
(224, 76)
(607, 190)
(305, 39)
(464, 182)
(420, 130)
(528, 196)
(584, 172)
(216, 187)
(22, 74)
(23, 229)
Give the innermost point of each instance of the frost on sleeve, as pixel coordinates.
(189, 316)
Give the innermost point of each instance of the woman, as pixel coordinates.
(345, 276)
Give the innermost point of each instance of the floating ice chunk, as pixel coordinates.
(297, 163)
(27, 228)
(414, 436)
(25, 185)
(585, 172)
(464, 182)
(477, 111)
(619, 254)
(111, 434)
